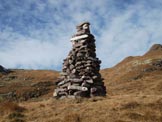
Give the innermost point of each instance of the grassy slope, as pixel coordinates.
(134, 89)
(28, 84)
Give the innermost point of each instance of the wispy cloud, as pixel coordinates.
(36, 34)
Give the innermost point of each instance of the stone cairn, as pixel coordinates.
(80, 75)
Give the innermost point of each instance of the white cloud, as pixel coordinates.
(127, 35)
(30, 53)
(39, 37)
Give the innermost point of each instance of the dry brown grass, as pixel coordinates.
(126, 108)
(11, 112)
(28, 84)
(132, 95)
(8, 106)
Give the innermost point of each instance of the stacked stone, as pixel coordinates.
(80, 73)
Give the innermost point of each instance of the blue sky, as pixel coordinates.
(35, 34)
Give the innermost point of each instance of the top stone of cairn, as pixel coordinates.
(83, 28)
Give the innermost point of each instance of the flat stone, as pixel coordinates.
(71, 66)
(65, 85)
(62, 82)
(73, 71)
(89, 81)
(79, 37)
(63, 73)
(82, 41)
(80, 88)
(76, 80)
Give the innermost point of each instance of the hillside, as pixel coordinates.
(136, 75)
(27, 84)
(134, 94)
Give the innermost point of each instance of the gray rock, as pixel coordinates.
(3, 70)
(80, 88)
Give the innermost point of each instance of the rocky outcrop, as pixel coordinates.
(156, 47)
(3, 70)
(154, 50)
(80, 73)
